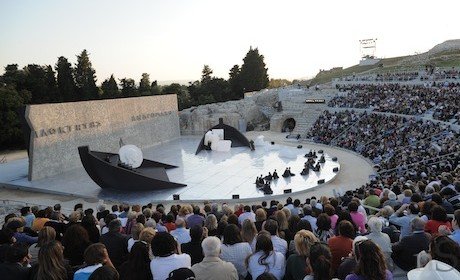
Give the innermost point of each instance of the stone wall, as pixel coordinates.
(58, 129)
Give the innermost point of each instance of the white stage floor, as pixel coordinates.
(208, 175)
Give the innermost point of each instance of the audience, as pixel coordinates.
(265, 259)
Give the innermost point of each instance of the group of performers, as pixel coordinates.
(263, 182)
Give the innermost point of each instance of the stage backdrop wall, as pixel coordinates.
(58, 129)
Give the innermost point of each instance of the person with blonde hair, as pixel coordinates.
(261, 216)
(211, 224)
(282, 223)
(296, 266)
(46, 234)
(146, 236)
(136, 231)
(249, 233)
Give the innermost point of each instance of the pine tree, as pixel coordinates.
(253, 72)
(85, 78)
(235, 82)
(51, 85)
(65, 80)
(144, 85)
(110, 88)
(128, 87)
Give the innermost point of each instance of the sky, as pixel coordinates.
(173, 39)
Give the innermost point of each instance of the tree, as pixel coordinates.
(13, 76)
(10, 127)
(144, 85)
(154, 88)
(51, 84)
(110, 88)
(65, 80)
(234, 81)
(128, 87)
(253, 72)
(35, 82)
(85, 78)
(206, 74)
(183, 97)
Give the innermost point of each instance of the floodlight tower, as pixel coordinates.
(368, 48)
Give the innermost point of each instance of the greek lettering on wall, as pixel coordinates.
(44, 132)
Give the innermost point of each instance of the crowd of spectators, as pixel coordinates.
(405, 227)
(442, 99)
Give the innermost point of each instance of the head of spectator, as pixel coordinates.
(446, 250)
(307, 210)
(231, 235)
(282, 220)
(323, 222)
(248, 231)
(414, 209)
(371, 262)
(17, 253)
(51, 261)
(303, 241)
(78, 206)
(353, 206)
(266, 276)
(196, 233)
(221, 227)
(136, 230)
(304, 224)
(438, 213)
(25, 211)
(15, 224)
(232, 219)
(114, 226)
(261, 215)
(417, 224)
(105, 273)
(75, 237)
(6, 237)
(386, 211)
(292, 223)
(329, 210)
(45, 235)
(347, 229)
(271, 226)
(115, 208)
(456, 220)
(320, 261)
(163, 244)
(182, 273)
(392, 196)
(375, 224)
(74, 217)
(264, 244)
(147, 213)
(211, 222)
(147, 235)
(211, 246)
(138, 264)
(180, 223)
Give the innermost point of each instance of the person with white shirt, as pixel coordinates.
(247, 214)
(234, 250)
(265, 259)
(166, 257)
(307, 211)
(181, 234)
(279, 244)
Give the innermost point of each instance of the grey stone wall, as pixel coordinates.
(58, 129)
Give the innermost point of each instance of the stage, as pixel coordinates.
(209, 175)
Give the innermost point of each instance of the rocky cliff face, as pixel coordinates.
(253, 110)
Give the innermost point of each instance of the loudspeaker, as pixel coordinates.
(287, 191)
(299, 147)
(321, 181)
(176, 197)
(272, 142)
(334, 159)
(336, 169)
(236, 196)
(320, 151)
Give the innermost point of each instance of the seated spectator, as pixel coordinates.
(212, 265)
(147, 235)
(261, 216)
(170, 223)
(211, 225)
(17, 226)
(51, 263)
(319, 261)
(330, 211)
(444, 249)
(234, 250)
(135, 232)
(342, 244)
(45, 235)
(371, 263)
(438, 218)
(405, 251)
(96, 255)
(279, 244)
(181, 233)
(75, 242)
(137, 267)
(193, 248)
(323, 228)
(265, 259)
(358, 218)
(196, 218)
(349, 263)
(381, 239)
(456, 227)
(39, 221)
(89, 223)
(372, 200)
(247, 214)
(16, 263)
(116, 243)
(28, 216)
(107, 220)
(296, 264)
(307, 215)
(434, 270)
(249, 233)
(405, 220)
(166, 256)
